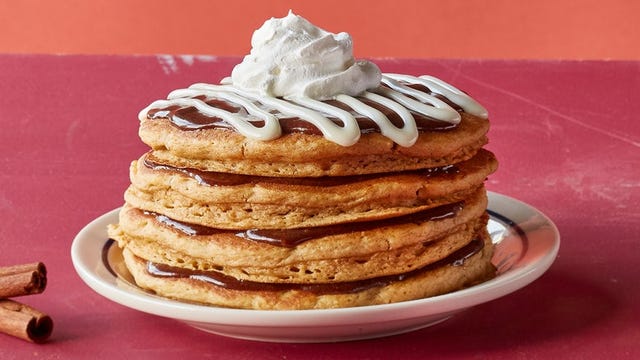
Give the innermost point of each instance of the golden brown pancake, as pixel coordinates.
(468, 270)
(250, 201)
(345, 252)
(268, 203)
(300, 155)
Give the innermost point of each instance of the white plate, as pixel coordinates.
(526, 245)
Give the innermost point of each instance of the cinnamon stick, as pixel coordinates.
(24, 322)
(24, 279)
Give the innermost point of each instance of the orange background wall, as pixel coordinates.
(538, 29)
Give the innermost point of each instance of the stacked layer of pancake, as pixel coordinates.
(299, 221)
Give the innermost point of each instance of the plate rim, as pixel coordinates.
(502, 285)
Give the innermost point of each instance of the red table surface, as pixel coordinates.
(566, 133)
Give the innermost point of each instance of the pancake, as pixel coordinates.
(331, 253)
(355, 188)
(465, 268)
(308, 155)
(222, 201)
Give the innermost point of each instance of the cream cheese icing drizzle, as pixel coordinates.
(437, 86)
(398, 97)
(318, 66)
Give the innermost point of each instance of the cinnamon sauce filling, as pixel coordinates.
(293, 237)
(212, 178)
(216, 278)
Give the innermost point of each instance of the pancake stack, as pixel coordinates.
(226, 211)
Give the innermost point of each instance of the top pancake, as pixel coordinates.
(301, 154)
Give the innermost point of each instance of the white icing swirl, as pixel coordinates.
(290, 57)
(437, 86)
(396, 96)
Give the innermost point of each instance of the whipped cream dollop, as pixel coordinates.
(290, 57)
